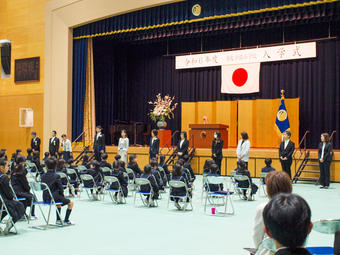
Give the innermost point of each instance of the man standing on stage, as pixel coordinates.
(35, 142)
(54, 142)
(286, 152)
(99, 143)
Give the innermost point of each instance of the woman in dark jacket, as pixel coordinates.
(183, 145)
(325, 158)
(15, 208)
(20, 185)
(216, 149)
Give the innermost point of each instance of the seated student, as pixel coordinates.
(287, 219)
(187, 165)
(52, 180)
(207, 165)
(268, 168)
(85, 161)
(18, 152)
(103, 162)
(185, 171)
(96, 173)
(277, 182)
(36, 161)
(117, 158)
(147, 174)
(134, 165)
(73, 178)
(46, 156)
(155, 171)
(214, 171)
(119, 174)
(164, 165)
(177, 175)
(15, 208)
(122, 165)
(61, 167)
(20, 185)
(29, 154)
(4, 153)
(242, 170)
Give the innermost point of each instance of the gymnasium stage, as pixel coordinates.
(256, 159)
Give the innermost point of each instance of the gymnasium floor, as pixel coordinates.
(106, 228)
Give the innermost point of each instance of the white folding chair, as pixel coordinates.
(146, 197)
(94, 187)
(183, 200)
(214, 196)
(106, 171)
(132, 177)
(116, 195)
(4, 209)
(262, 185)
(239, 190)
(81, 168)
(41, 187)
(64, 177)
(31, 166)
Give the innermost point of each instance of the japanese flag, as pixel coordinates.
(241, 78)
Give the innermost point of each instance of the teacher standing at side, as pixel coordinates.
(325, 158)
(243, 146)
(286, 151)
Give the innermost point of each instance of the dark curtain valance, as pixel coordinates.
(177, 18)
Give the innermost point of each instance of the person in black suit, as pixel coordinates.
(99, 143)
(104, 162)
(325, 159)
(183, 145)
(286, 151)
(15, 208)
(287, 220)
(54, 144)
(35, 142)
(134, 165)
(53, 181)
(154, 144)
(216, 149)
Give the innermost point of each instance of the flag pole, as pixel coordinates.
(282, 98)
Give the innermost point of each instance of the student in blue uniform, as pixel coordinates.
(15, 208)
(54, 183)
(242, 170)
(119, 174)
(268, 168)
(103, 162)
(133, 164)
(29, 154)
(187, 165)
(156, 173)
(147, 174)
(20, 185)
(164, 165)
(177, 175)
(214, 171)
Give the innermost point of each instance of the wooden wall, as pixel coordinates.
(256, 117)
(22, 22)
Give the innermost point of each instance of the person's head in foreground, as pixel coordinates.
(287, 220)
(278, 182)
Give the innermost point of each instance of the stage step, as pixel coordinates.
(311, 171)
(308, 178)
(311, 164)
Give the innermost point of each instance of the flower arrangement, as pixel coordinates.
(163, 108)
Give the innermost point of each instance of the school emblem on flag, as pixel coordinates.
(241, 79)
(282, 121)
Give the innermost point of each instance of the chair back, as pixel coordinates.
(263, 175)
(81, 168)
(177, 184)
(86, 177)
(111, 179)
(232, 173)
(241, 178)
(142, 181)
(71, 171)
(217, 180)
(329, 226)
(130, 172)
(106, 171)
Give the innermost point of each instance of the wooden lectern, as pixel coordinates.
(202, 135)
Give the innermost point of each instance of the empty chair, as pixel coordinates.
(215, 193)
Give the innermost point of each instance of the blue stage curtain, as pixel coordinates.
(128, 75)
(182, 11)
(78, 86)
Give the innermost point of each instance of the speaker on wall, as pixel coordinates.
(6, 58)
